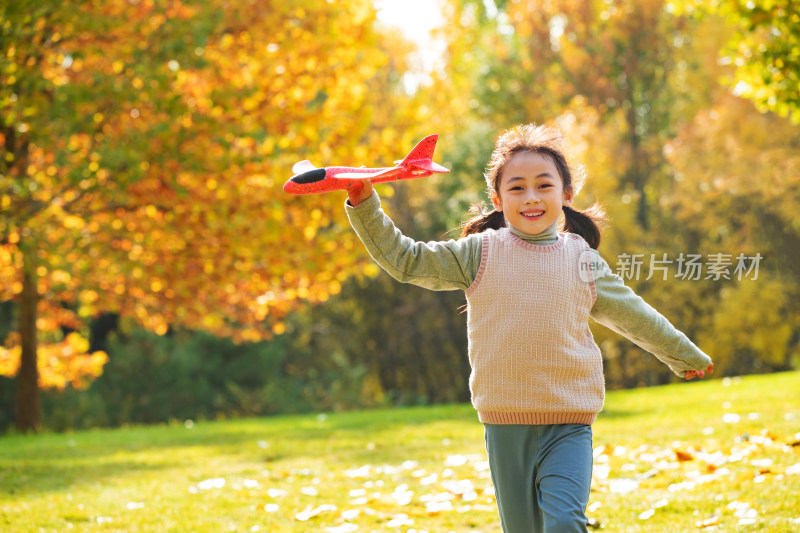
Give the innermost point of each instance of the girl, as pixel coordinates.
(537, 374)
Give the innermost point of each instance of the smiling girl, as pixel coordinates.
(537, 375)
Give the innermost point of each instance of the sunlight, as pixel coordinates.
(418, 20)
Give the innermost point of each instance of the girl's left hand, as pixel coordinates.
(691, 374)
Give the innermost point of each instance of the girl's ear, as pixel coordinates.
(569, 193)
(498, 205)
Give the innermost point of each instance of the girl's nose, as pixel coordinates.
(532, 198)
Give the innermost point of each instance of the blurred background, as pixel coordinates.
(152, 269)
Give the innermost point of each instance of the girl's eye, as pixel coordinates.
(517, 188)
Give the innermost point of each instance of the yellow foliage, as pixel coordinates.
(73, 222)
(60, 364)
(752, 316)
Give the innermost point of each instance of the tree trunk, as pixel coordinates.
(636, 170)
(29, 408)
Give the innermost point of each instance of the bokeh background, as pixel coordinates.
(152, 269)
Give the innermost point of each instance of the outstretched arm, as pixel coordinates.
(621, 310)
(444, 265)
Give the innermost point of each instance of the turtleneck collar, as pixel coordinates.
(545, 238)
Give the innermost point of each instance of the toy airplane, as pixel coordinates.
(309, 179)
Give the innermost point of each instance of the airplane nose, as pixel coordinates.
(312, 176)
(294, 185)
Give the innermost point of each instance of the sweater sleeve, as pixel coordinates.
(621, 310)
(447, 265)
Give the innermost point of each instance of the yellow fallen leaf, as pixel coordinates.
(708, 522)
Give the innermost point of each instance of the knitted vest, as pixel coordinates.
(533, 358)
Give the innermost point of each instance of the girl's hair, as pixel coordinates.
(546, 141)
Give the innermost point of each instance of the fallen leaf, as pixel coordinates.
(708, 522)
(399, 521)
(622, 485)
(344, 528)
(434, 508)
(216, 483)
(309, 513)
(647, 514)
(455, 460)
(683, 456)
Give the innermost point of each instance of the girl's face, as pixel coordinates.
(530, 192)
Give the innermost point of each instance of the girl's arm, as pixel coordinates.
(621, 310)
(446, 265)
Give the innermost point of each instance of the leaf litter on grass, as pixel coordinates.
(400, 495)
(407, 495)
(746, 461)
(738, 473)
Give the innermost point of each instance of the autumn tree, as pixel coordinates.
(764, 49)
(144, 149)
(736, 177)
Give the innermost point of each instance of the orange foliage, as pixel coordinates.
(153, 160)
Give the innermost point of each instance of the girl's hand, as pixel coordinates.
(359, 192)
(690, 374)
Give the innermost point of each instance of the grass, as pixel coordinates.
(723, 455)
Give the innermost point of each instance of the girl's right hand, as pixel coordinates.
(690, 374)
(359, 192)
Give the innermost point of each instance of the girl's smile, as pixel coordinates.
(531, 192)
(532, 215)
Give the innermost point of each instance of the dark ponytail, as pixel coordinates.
(585, 223)
(482, 220)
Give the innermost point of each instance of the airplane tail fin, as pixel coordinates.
(423, 150)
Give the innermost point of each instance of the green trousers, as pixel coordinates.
(541, 475)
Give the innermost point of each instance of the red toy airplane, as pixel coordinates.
(309, 179)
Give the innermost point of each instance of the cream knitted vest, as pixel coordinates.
(533, 357)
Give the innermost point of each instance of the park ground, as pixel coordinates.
(720, 455)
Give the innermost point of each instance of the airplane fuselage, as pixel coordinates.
(324, 179)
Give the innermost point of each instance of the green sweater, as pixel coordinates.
(454, 264)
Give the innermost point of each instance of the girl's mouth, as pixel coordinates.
(532, 215)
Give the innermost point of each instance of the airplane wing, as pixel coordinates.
(366, 175)
(303, 166)
(427, 164)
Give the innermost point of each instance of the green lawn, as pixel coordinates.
(721, 454)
